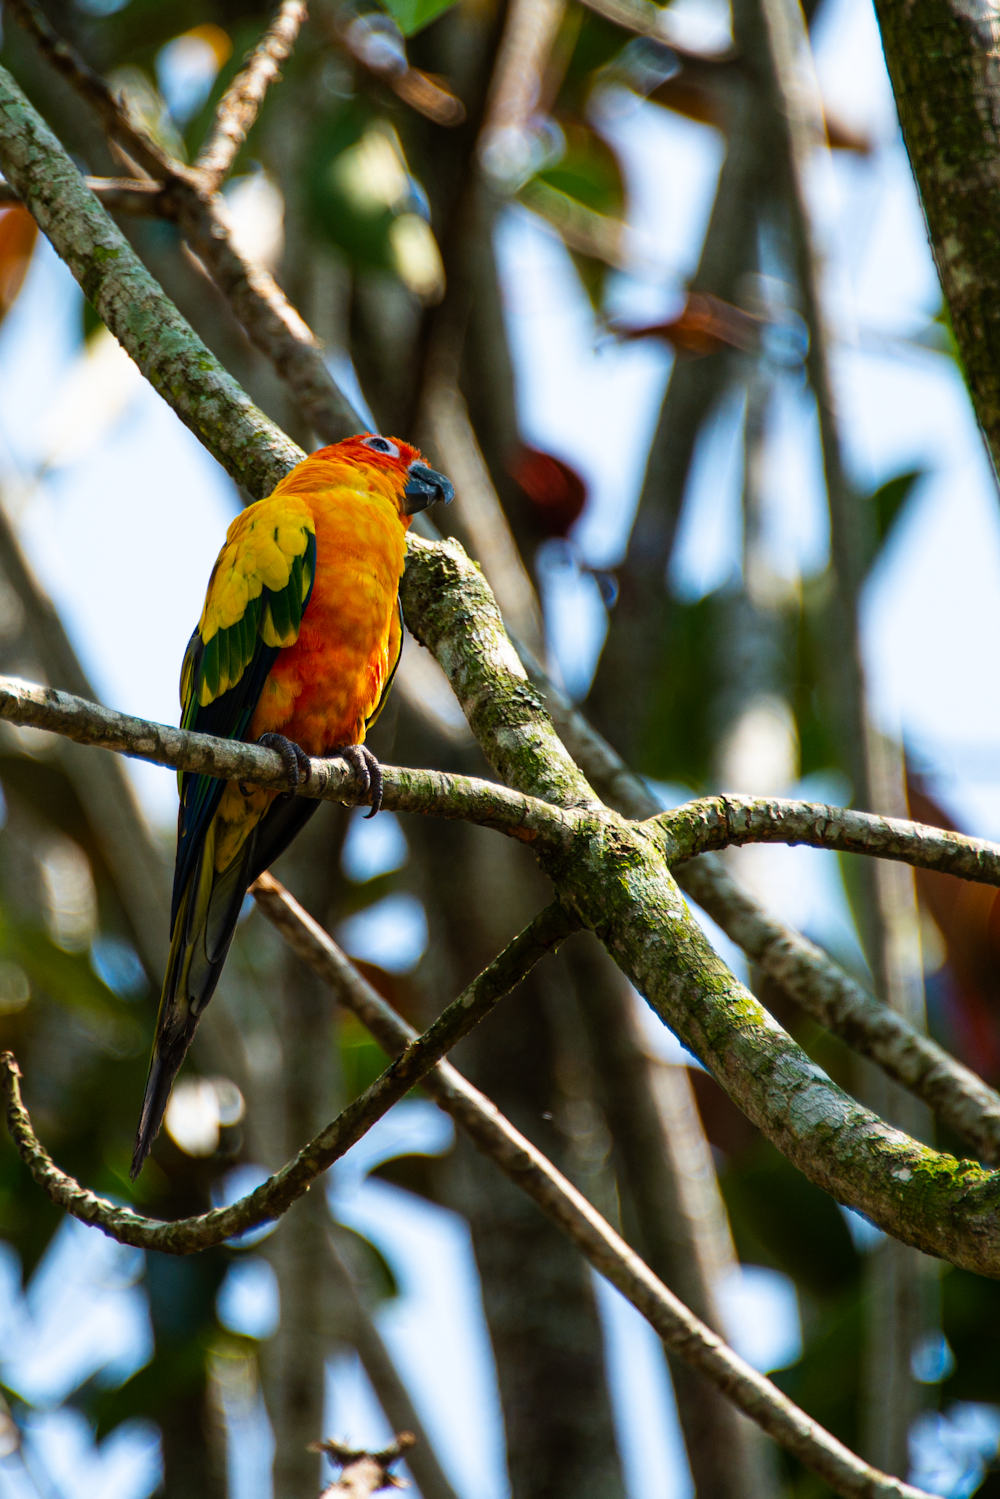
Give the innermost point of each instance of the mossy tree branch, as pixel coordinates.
(805, 973)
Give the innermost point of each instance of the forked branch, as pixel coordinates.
(271, 322)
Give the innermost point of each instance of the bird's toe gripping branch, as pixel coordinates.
(293, 757)
(367, 769)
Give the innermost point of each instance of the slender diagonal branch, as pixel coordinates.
(377, 44)
(559, 1200)
(240, 103)
(430, 791)
(715, 822)
(275, 1196)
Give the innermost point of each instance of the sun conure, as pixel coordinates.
(296, 648)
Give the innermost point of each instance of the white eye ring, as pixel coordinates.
(381, 445)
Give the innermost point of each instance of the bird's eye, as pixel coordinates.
(381, 445)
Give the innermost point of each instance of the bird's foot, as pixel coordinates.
(367, 769)
(293, 758)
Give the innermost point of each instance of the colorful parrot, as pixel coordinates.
(296, 648)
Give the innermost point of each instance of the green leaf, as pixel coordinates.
(412, 16)
(888, 503)
(588, 171)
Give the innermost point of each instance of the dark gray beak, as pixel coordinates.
(425, 486)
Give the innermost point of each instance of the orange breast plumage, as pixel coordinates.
(323, 691)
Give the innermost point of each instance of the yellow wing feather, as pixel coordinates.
(267, 547)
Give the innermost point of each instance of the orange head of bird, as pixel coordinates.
(418, 485)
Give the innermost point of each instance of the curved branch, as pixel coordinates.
(431, 792)
(133, 195)
(275, 1196)
(715, 822)
(239, 105)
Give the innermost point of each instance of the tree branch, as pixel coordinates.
(428, 791)
(275, 1196)
(449, 608)
(133, 195)
(239, 105)
(620, 888)
(715, 822)
(364, 1473)
(374, 41)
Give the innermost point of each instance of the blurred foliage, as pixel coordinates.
(412, 16)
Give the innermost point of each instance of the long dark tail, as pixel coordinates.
(203, 933)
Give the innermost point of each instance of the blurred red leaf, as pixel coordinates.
(18, 232)
(556, 492)
(968, 918)
(705, 325)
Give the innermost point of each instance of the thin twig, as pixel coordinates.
(133, 195)
(377, 44)
(364, 1473)
(390, 1390)
(560, 1201)
(275, 1196)
(715, 822)
(240, 103)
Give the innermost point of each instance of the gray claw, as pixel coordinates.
(293, 757)
(368, 771)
